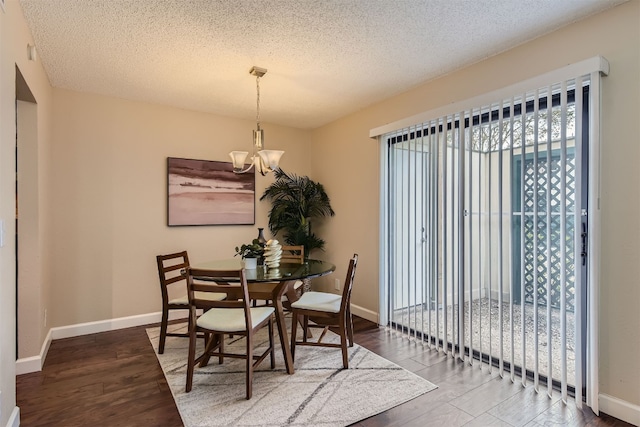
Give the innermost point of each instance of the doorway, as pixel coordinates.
(28, 279)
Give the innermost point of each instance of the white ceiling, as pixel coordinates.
(325, 58)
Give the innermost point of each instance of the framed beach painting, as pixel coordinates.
(204, 192)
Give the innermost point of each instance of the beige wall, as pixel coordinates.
(347, 162)
(110, 199)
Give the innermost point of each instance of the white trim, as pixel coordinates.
(26, 365)
(620, 409)
(593, 245)
(34, 364)
(383, 265)
(14, 419)
(372, 316)
(587, 66)
(111, 324)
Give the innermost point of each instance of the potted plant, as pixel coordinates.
(250, 253)
(295, 201)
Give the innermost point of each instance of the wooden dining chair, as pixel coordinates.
(173, 281)
(292, 254)
(326, 310)
(231, 316)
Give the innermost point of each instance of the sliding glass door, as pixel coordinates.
(487, 214)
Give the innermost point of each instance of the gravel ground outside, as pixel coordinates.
(487, 332)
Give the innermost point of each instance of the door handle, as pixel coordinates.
(583, 253)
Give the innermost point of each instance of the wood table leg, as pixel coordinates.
(282, 326)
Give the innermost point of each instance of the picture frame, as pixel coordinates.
(208, 192)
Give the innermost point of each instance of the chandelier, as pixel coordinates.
(265, 161)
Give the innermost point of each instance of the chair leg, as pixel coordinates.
(163, 330)
(294, 332)
(212, 343)
(249, 366)
(301, 322)
(305, 328)
(221, 348)
(273, 353)
(191, 359)
(350, 328)
(343, 346)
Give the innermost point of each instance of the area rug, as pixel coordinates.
(319, 393)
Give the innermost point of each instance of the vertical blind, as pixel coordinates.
(486, 225)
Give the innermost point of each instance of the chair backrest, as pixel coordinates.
(231, 282)
(348, 283)
(170, 271)
(292, 254)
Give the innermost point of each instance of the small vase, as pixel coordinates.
(261, 238)
(263, 242)
(250, 263)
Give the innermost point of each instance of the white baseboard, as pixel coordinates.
(365, 313)
(29, 364)
(111, 324)
(14, 419)
(620, 409)
(35, 363)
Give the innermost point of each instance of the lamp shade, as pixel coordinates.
(271, 158)
(238, 158)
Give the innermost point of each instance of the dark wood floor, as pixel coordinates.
(114, 379)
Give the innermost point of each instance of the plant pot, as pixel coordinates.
(250, 263)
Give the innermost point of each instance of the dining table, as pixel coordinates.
(272, 284)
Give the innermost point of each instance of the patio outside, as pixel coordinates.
(486, 332)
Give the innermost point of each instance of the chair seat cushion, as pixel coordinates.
(319, 301)
(232, 319)
(211, 296)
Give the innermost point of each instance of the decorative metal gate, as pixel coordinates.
(542, 228)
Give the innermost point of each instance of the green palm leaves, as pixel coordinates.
(295, 200)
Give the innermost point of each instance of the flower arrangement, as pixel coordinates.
(251, 250)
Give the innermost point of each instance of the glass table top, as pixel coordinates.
(287, 271)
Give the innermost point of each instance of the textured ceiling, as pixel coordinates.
(325, 58)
